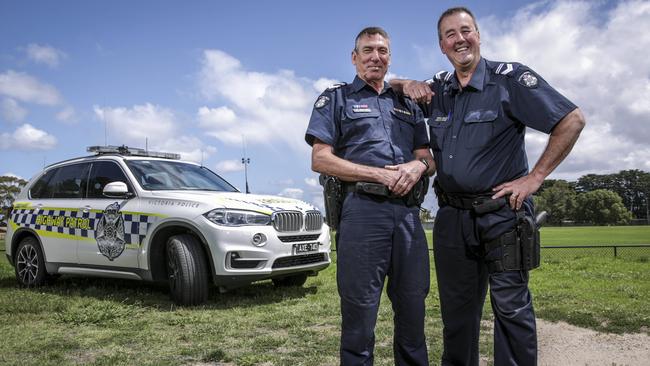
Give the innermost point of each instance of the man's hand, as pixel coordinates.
(407, 175)
(419, 91)
(518, 190)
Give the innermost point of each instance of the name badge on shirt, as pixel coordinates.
(361, 108)
(402, 111)
(442, 119)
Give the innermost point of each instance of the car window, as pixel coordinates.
(68, 182)
(102, 173)
(175, 175)
(40, 187)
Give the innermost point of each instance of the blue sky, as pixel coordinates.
(203, 77)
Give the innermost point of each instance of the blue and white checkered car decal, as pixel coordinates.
(81, 224)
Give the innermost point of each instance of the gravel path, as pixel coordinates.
(564, 344)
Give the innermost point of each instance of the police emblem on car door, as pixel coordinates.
(110, 232)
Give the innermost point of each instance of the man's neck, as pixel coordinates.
(464, 75)
(378, 85)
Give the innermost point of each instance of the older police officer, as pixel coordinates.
(477, 117)
(365, 132)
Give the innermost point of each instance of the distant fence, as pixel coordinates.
(623, 250)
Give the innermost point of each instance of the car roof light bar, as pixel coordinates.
(131, 151)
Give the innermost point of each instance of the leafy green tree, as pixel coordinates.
(559, 200)
(9, 187)
(425, 215)
(602, 207)
(632, 185)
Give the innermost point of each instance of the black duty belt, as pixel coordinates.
(479, 202)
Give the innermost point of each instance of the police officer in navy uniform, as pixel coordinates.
(365, 132)
(478, 116)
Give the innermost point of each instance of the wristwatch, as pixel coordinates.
(426, 163)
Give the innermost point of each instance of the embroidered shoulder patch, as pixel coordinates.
(528, 80)
(321, 101)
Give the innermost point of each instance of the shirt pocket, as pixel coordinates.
(406, 129)
(439, 124)
(478, 128)
(358, 127)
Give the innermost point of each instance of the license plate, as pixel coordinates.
(305, 248)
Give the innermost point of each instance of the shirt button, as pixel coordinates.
(453, 137)
(451, 156)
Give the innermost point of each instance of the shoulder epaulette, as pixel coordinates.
(442, 76)
(506, 68)
(336, 86)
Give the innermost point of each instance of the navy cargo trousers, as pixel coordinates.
(381, 238)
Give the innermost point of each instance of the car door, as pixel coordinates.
(115, 239)
(56, 198)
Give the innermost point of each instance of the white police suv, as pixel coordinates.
(135, 214)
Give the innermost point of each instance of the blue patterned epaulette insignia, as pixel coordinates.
(336, 86)
(506, 68)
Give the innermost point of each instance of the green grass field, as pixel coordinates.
(109, 322)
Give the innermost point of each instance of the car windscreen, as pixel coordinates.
(160, 175)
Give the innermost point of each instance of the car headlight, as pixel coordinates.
(228, 217)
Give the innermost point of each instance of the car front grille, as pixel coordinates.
(296, 238)
(299, 260)
(313, 220)
(292, 221)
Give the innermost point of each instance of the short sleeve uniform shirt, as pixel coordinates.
(477, 132)
(366, 127)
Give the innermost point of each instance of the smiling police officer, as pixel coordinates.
(478, 116)
(375, 142)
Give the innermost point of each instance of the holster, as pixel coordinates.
(520, 248)
(333, 199)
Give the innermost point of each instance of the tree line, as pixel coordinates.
(607, 199)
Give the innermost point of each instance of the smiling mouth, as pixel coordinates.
(374, 68)
(462, 49)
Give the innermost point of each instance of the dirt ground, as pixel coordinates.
(562, 344)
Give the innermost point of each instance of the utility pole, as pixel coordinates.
(245, 161)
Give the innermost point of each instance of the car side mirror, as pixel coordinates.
(117, 190)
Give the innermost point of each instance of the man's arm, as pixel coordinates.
(561, 141)
(399, 180)
(418, 91)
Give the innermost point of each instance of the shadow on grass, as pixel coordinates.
(156, 295)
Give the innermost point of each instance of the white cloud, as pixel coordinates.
(27, 137)
(270, 108)
(296, 193)
(138, 124)
(12, 111)
(67, 114)
(214, 118)
(312, 182)
(228, 166)
(596, 58)
(45, 54)
(152, 126)
(26, 88)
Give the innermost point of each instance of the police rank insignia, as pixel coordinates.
(322, 101)
(110, 232)
(528, 80)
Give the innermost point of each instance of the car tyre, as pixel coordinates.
(30, 263)
(187, 270)
(291, 281)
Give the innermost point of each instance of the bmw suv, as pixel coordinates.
(135, 214)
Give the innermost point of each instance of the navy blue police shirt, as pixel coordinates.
(366, 127)
(477, 132)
